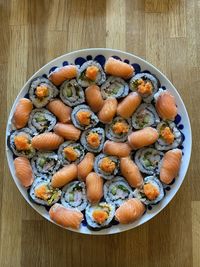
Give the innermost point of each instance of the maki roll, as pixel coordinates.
(45, 163)
(149, 160)
(118, 130)
(70, 152)
(42, 91)
(71, 93)
(74, 195)
(43, 193)
(114, 87)
(117, 191)
(106, 166)
(169, 136)
(93, 139)
(152, 191)
(41, 120)
(145, 84)
(145, 116)
(90, 73)
(100, 215)
(20, 143)
(83, 117)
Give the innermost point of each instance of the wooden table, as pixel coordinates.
(164, 32)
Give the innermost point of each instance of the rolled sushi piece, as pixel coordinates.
(45, 163)
(118, 130)
(41, 120)
(114, 87)
(145, 116)
(71, 93)
(106, 166)
(99, 215)
(93, 139)
(43, 193)
(149, 160)
(70, 152)
(20, 143)
(90, 73)
(117, 191)
(169, 136)
(152, 191)
(42, 91)
(74, 196)
(145, 84)
(83, 117)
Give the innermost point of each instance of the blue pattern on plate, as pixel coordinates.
(116, 57)
(126, 61)
(100, 59)
(65, 63)
(177, 119)
(52, 69)
(136, 67)
(79, 61)
(44, 75)
(89, 57)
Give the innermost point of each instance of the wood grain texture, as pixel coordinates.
(166, 33)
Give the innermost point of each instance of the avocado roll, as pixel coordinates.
(70, 152)
(152, 191)
(169, 136)
(118, 130)
(114, 87)
(145, 116)
(90, 73)
(74, 196)
(149, 160)
(117, 191)
(42, 91)
(99, 215)
(71, 93)
(146, 85)
(20, 143)
(83, 117)
(106, 166)
(93, 139)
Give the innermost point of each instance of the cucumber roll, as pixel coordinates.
(83, 117)
(74, 195)
(152, 191)
(100, 215)
(45, 163)
(106, 166)
(90, 73)
(149, 160)
(117, 191)
(43, 193)
(70, 152)
(20, 143)
(169, 136)
(42, 91)
(114, 87)
(118, 130)
(41, 120)
(145, 116)
(145, 84)
(71, 93)
(93, 139)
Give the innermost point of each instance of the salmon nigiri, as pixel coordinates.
(60, 110)
(59, 75)
(47, 141)
(131, 172)
(116, 149)
(142, 138)
(94, 98)
(118, 68)
(64, 176)
(94, 185)
(85, 166)
(23, 171)
(22, 113)
(130, 211)
(67, 131)
(128, 105)
(108, 111)
(170, 165)
(65, 216)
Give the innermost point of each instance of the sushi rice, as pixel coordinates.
(96, 132)
(114, 87)
(74, 147)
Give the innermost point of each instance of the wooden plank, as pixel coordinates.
(196, 233)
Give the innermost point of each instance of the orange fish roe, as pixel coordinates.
(42, 192)
(120, 127)
(107, 165)
(21, 142)
(91, 72)
(144, 88)
(100, 216)
(70, 153)
(167, 135)
(83, 117)
(151, 191)
(41, 91)
(93, 139)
